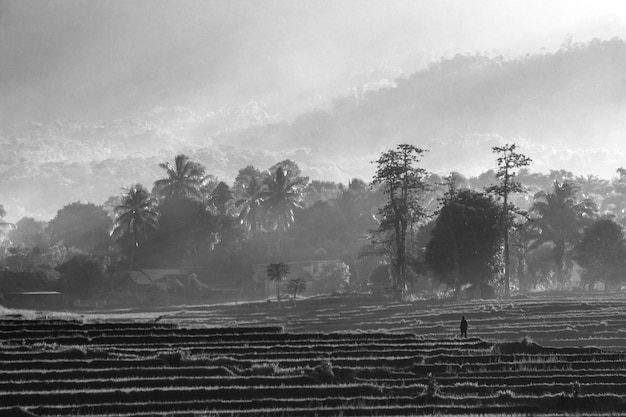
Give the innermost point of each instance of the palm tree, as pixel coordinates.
(277, 272)
(184, 179)
(295, 286)
(559, 219)
(134, 216)
(251, 203)
(221, 199)
(281, 198)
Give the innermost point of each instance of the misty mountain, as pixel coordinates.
(565, 110)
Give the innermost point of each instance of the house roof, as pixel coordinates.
(159, 274)
(320, 251)
(139, 278)
(212, 280)
(193, 280)
(34, 293)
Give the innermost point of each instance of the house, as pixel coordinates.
(144, 280)
(31, 290)
(219, 285)
(199, 283)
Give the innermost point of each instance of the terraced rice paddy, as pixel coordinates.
(322, 359)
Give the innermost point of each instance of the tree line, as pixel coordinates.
(483, 236)
(508, 226)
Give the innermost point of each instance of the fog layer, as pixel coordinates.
(98, 60)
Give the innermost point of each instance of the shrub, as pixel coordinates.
(173, 358)
(526, 345)
(345, 375)
(323, 372)
(75, 352)
(505, 395)
(265, 369)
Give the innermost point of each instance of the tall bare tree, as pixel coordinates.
(403, 183)
(509, 162)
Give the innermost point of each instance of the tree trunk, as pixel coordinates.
(521, 274)
(559, 257)
(455, 259)
(132, 256)
(398, 278)
(507, 266)
(356, 269)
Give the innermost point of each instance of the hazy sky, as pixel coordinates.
(97, 60)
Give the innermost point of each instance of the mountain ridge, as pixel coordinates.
(566, 110)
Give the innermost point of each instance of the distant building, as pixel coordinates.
(157, 279)
(199, 283)
(29, 290)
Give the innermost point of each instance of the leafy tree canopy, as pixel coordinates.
(82, 226)
(473, 219)
(558, 218)
(81, 275)
(601, 254)
(29, 232)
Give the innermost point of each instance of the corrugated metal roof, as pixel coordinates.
(159, 274)
(139, 278)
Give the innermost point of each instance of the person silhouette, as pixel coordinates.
(463, 327)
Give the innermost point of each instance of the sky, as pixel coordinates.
(109, 59)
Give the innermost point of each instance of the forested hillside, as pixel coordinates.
(565, 109)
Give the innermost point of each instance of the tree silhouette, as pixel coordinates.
(83, 226)
(134, 216)
(295, 286)
(184, 179)
(559, 218)
(466, 240)
(281, 198)
(250, 202)
(601, 253)
(403, 183)
(221, 199)
(277, 272)
(450, 201)
(508, 162)
(29, 233)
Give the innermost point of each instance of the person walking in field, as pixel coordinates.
(463, 327)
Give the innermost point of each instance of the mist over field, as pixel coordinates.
(312, 207)
(94, 95)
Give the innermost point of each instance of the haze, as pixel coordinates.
(95, 94)
(100, 60)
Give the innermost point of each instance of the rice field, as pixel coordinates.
(337, 356)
